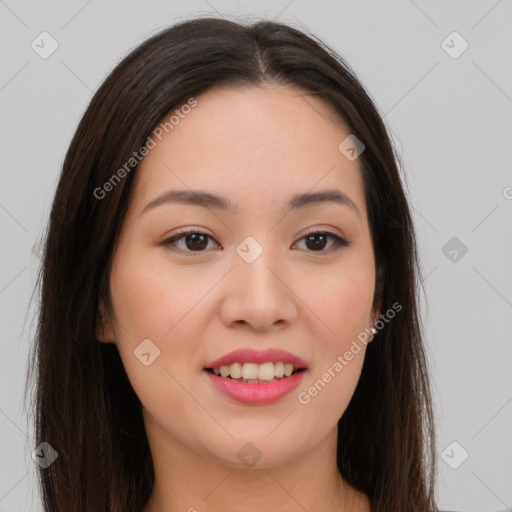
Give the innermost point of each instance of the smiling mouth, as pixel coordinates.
(254, 373)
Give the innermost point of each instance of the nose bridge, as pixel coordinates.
(257, 293)
(257, 263)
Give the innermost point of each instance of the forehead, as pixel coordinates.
(254, 145)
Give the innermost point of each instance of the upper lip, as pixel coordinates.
(248, 355)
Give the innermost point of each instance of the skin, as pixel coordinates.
(257, 147)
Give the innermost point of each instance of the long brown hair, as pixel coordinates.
(83, 403)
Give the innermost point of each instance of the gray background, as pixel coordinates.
(451, 119)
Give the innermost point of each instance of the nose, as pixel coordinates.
(259, 295)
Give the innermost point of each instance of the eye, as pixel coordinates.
(317, 240)
(197, 241)
(194, 241)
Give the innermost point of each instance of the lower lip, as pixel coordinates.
(256, 393)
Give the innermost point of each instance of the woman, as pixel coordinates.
(229, 289)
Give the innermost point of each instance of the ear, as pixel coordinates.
(104, 328)
(375, 312)
(377, 301)
(374, 317)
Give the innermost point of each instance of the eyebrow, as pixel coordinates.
(208, 200)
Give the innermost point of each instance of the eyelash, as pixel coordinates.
(340, 242)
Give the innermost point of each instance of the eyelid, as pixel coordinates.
(316, 229)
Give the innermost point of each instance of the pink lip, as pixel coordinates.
(256, 393)
(258, 356)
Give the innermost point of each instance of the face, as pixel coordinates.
(284, 279)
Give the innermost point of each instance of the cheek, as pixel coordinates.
(350, 308)
(343, 303)
(153, 301)
(339, 357)
(153, 298)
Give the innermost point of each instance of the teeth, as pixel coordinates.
(249, 371)
(254, 372)
(266, 371)
(288, 369)
(235, 370)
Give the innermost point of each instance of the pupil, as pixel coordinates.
(197, 238)
(315, 239)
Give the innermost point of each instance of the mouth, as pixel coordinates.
(256, 377)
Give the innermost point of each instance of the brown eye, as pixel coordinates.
(194, 241)
(317, 241)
